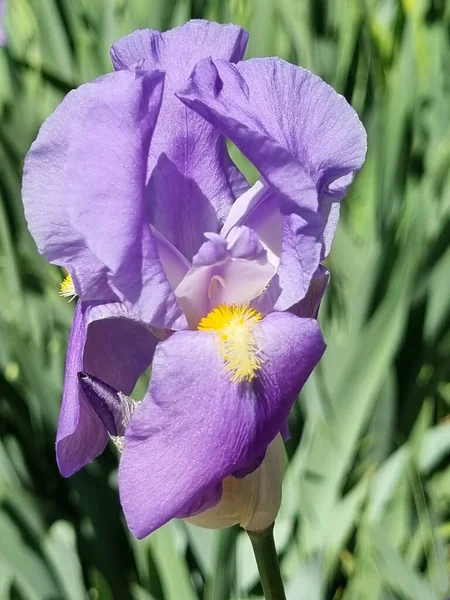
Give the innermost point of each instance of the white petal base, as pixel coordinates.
(252, 502)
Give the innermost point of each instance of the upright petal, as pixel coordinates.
(175, 265)
(293, 244)
(106, 343)
(105, 168)
(195, 427)
(89, 163)
(300, 257)
(191, 176)
(259, 210)
(303, 137)
(61, 196)
(178, 50)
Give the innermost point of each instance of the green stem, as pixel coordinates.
(268, 566)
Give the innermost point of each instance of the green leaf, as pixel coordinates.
(172, 568)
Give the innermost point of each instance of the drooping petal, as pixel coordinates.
(80, 436)
(190, 173)
(303, 137)
(106, 343)
(196, 427)
(252, 502)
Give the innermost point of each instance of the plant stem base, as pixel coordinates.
(268, 565)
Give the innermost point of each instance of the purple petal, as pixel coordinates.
(174, 263)
(309, 306)
(84, 193)
(47, 187)
(113, 408)
(245, 243)
(300, 256)
(108, 344)
(190, 173)
(150, 49)
(258, 209)
(81, 436)
(106, 164)
(195, 427)
(104, 399)
(303, 137)
(211, 252)
(233, 271)
(291, 347)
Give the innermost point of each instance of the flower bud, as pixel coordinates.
(113, 408)
(253, 501)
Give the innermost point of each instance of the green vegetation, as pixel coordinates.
(366, 509)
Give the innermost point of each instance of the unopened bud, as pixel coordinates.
(113, 408)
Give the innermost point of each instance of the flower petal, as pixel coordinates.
(113, 408)
(106, 162)
(233, 271)
(258, 209)
(174, 263)
(89, 162)
(293, 245)
(309, 306)
(151, 49)
(299, 261)
(107, 343)
(60, 140)
(195, 427)
(252, 502)
(300, 256)
(190, 173)
(303, 137)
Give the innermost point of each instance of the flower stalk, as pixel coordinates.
(268, 565)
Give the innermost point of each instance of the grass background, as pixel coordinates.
(366, 509)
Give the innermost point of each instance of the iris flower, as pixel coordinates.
(179, 263)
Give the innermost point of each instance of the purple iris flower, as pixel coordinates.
(180, 264)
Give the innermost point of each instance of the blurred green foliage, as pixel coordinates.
(366, 509)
